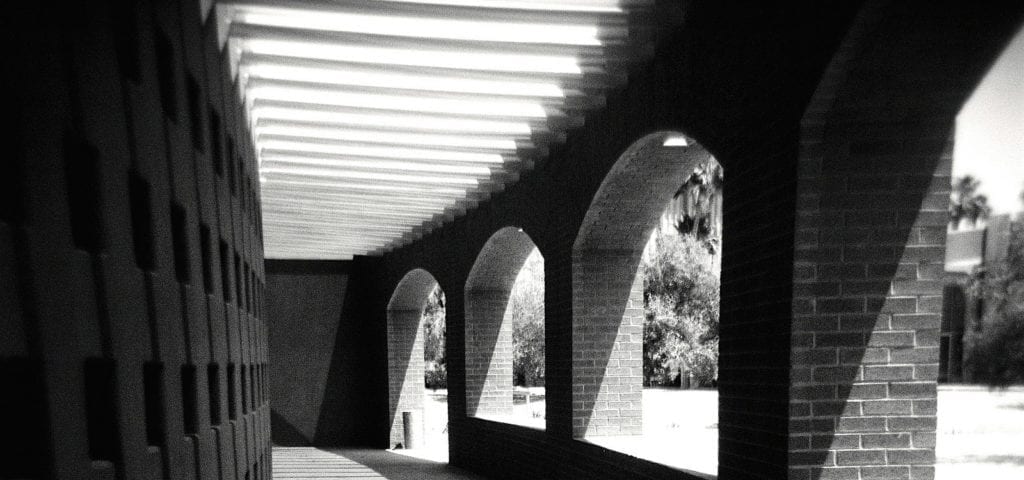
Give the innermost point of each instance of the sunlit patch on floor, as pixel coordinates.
(310, 463)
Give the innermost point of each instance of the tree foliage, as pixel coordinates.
(434, 354)
(965, 203)
(700, 201)
(526, 306)
(681, 304)
(995, 348)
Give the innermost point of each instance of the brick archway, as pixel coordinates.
(405, 348)
(608, 300)
(489, 323)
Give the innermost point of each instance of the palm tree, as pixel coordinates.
(696, 208)
(965, 203)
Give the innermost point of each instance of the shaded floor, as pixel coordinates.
(302, 463)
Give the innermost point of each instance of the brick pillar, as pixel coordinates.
(488, 353)
(866, 313)
(608, 304)
(873, 193)
(405, 368)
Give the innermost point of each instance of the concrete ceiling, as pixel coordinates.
(376, 121)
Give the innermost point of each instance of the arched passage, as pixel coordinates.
(489, 326)
(405, 348)
(608, 289)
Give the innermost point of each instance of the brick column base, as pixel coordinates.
(488, 354)
(607, 394)
(405, 368)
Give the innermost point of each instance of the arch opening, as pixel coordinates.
(504, 333)
(645, 306)
(982, 311)
(415, 332)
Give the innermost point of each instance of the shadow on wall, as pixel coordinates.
(354, 410)
(325, 389)
(286, 434)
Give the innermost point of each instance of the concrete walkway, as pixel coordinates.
(308, 463)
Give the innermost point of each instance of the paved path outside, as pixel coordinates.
(980, 433)
(308, 463)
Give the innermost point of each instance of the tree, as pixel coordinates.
(996, 353)
(526, 305)
(965, 203)
(663, 341)
(681, 265)
(700, 204)
(995, 348)
(435, 357)
(681, 303)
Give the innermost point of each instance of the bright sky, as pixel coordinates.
(990, 131)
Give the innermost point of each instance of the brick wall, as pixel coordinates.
(405, 368)
(607, 343)
(873, 190)
(488, 354)
(741, 97)
(132, 268)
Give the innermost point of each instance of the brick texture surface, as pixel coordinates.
(405, 368)
(607, 348)
(551, 204)
(873, 190)
(132, 266)
(488, 354)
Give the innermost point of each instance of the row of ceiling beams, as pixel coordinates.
(376, 121)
